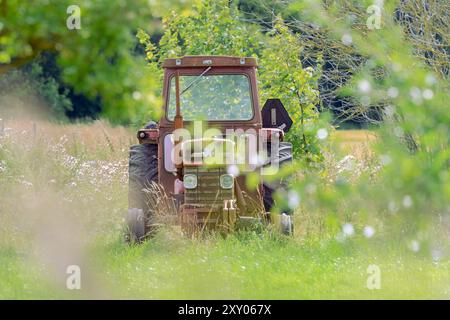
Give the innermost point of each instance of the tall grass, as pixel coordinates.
(63, 196)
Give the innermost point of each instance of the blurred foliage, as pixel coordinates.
(100, 64)
(98, 60)
(212, 28)
(282, 76)
(425, 24)
(28, 84)
(406, 187)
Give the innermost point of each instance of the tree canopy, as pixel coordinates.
(98, 60)
(100, 65)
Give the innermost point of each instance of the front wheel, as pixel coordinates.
(286, 224)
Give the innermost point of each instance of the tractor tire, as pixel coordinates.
(135, 226)
(283, 158)
(143, 170)
(286, 224)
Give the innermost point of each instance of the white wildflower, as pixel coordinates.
(137, 95)
(415, 245)
(392, 92)
(385, 159)
(416, 95)
(293, 199)
(347, 39)
(348, 229)
(364, 86)
(407, 201)
(392, 206)
(430, 79)
(436, 254)
(346, 164)
(428, 94)
(369, 231)
(322, 133)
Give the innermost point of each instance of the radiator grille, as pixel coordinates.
(208, 189)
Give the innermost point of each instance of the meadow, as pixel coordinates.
(63, 198)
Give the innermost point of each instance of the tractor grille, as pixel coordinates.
(208, 189)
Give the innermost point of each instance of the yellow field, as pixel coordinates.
(357, 143)
(87, 137)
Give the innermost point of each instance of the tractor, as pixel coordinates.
(211, 136)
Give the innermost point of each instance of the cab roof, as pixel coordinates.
(206, 61)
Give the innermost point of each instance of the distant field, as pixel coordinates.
(355, 136)
(63, 195)
(89, 138)
(351, 140)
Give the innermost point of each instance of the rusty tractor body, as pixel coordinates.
(206, 173)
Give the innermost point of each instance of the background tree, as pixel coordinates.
(410, 189)
(98, 60)
(100, 68)
(425, 24)
(21, 89)
(282, 76)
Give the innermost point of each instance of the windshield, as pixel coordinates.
(212, 97)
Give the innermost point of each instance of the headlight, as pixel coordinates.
(226, 181)
(190, 181)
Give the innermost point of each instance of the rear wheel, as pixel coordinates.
(286, 224)
(143, 170)
(283, 158)
(136, 226)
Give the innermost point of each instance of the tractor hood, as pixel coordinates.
(208, 151)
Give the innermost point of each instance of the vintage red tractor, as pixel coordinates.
(211, 135)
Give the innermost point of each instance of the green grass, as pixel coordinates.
(245, 266)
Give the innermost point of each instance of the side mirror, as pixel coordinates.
(275, 115)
